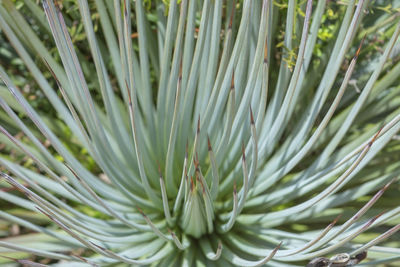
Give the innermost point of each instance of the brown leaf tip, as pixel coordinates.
(243, 153)
(191, 184)
(231, 17)
(233, 80)
(336, 219)
(359, 47)
(266, 52)
(251, 116)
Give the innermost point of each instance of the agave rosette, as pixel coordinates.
(214, 140)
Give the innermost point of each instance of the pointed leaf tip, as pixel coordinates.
(125, 9)
(243, 153)
(389, 184)
(359, 47)
(266, 52)
(251, 116)
(191, 184)
(231, 16)
(375, 137)
(336, 220)
(73, 172)
(159, 169)
(141, 211)
(180, 70)
(233, 80)
(372, 220)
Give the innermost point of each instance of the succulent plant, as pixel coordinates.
(221, 136)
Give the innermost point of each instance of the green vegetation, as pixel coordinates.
(199, 133)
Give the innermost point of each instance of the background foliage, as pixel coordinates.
(378, 25)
